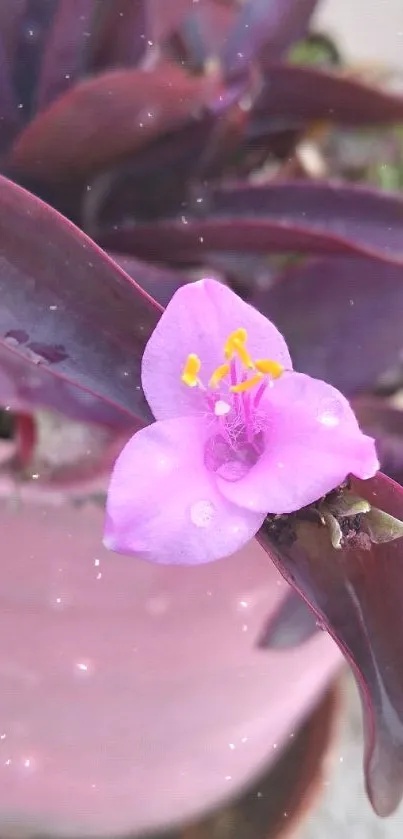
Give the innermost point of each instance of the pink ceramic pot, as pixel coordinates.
(133, 696)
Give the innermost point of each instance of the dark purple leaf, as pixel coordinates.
(159, 283)
(291, 626)
(118, 33)
(106, 119)
(68, 309)
(379, 418)
(164, 17)
(66, 48)
(34, 23)
(320, 217)
(357, 595)
(25, 386)
(9, 117)
(203, 32)
(342, 319)
(272, 24)
(308, 93)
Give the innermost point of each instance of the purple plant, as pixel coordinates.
(142, 123)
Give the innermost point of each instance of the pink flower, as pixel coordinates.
(238, 434)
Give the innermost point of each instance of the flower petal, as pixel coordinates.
(313, 441)
(199, 319)
(164, 505)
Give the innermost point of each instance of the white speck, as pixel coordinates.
(280, 465)
(221, 408)
(3, 736)
(184, 220)
(244, 740)
(201, 239)
(228, 777)
(82, 666)
(97, 562)
(231, 746)
(244, 627)
(202, 513)
(35, 476)
(244, 604)
(27, 762)
(274, 745)
(8, 762)
(53, 308)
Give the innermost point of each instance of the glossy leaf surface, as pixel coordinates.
(67, 309)
(320, 218)
(310, 93)
(357, 594)
(107, 118)
(342, 319)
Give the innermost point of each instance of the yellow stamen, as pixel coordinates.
(235, 345)
(190, 370)
(240, 336)
(220, 373)
(248, 384)
(266, 365)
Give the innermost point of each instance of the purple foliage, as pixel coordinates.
(141, 122)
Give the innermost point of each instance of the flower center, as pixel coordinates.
(233, 401)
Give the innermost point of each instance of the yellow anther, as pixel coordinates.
(191, 370)
(235, 345)
(248, 384)
(220, 373)
(240, 336)
(266, 365)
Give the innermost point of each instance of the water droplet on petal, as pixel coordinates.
(329, 419)
(202, 513)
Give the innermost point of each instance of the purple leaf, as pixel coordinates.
(10, 121)
(34, 23)
(159, 283)
(64, 56)
(165, 18)
(357, 595)
(106, 119)
(308, 93)
(292, 625)
(320, 217)
(204, 31)
(118, 33)
(380, 419)
(342, 319)
(67, 309)
(272, 24)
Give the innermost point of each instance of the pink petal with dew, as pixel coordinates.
(163, 504)
(199, 319)
(313, 441)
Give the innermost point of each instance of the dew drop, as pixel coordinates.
(202, 513)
